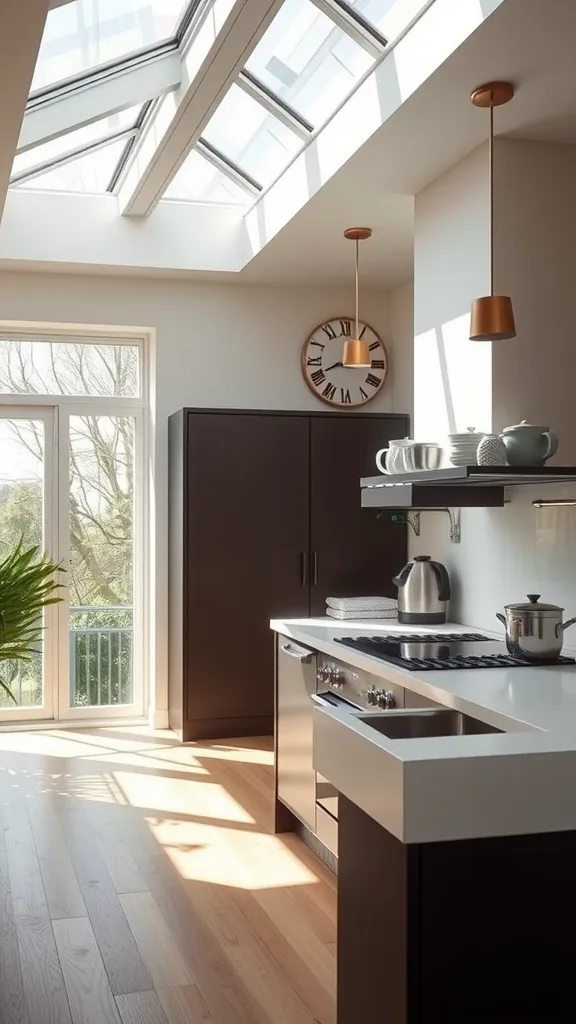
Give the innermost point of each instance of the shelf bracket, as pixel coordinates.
(454, 515)
(413, 520)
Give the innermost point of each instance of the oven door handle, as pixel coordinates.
(320, 700)
(301, 654)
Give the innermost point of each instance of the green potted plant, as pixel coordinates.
(27, 585)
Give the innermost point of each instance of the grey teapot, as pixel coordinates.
(528, 445)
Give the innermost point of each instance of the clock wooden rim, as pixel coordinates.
(312, 389)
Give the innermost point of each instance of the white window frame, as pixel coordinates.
(64, 406)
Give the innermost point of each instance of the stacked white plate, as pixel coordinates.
(464, 447)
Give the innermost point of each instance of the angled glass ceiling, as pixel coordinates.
(88, 136)
(90, 173)
(250, 137)
(200, 181)
(84, 34)
(390, 17)
(307, 61)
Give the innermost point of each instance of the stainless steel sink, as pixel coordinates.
(409, 725)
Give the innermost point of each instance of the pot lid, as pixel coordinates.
(533, 605)
(524, 425)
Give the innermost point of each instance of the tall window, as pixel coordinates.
(71, 412)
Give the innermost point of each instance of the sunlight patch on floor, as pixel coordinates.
(241, 860)
(180, 796)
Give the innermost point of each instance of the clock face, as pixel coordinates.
(339, 385)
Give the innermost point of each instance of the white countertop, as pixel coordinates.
(522, 780)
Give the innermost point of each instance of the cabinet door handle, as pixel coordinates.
(314, 568)
(304, 572)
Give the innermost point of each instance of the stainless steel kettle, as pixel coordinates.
(423, 592)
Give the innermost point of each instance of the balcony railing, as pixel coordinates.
(101, 657)
(101, 661)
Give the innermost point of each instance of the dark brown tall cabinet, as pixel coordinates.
(265, 522)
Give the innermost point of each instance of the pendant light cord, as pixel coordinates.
(356, 334)
(491, 188)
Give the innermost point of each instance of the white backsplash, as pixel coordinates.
(506, 553)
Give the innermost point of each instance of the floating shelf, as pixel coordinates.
(456, 486)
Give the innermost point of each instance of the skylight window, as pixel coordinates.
(90, 134)
(84, 34)
(389, 17)
(198, 180)
(250, 137)
(307, 61)
(90, 173)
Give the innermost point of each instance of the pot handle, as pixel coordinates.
(501, 618)
(552, 444)
(564, 625)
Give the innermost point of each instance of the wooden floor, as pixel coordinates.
(139, 884)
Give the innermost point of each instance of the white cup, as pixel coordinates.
(391, 459)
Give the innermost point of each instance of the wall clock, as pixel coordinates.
(348, 387)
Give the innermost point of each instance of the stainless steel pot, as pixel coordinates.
(534, 630)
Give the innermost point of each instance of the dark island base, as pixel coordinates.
(469, 932)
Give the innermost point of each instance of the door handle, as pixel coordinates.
(295, 652)
(314, 569)
(304, 572)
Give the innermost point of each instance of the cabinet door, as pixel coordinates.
(353, 552)
(247, 530)
(296, 785)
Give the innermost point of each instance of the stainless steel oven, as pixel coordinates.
(345, 687)
(304, 676)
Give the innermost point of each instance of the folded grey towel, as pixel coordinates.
(379, 613)
(361, 604)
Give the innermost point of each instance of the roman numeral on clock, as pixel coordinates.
(377, 364)
(345, 397)
(316, 361)
(318, 377)
(329, 331)
(364, 394)
(318, 344)
(372, 380)
(345, 328)
(329, 391)
(375, 344)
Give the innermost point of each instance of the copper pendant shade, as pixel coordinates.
(356, 351)
(492, 316)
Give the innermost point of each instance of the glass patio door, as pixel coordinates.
(70, 483)
(28, 513)
(99, 527)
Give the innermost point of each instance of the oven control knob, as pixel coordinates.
(335, 677)
(380, 698)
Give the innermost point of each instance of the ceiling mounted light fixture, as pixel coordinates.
(492, 316)
(356, 351)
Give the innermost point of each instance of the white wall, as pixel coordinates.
(535, 248)
(227, 346)
(509, 552)
(452, 375)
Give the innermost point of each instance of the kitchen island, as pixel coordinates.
(457, 853)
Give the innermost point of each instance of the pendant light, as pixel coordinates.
(492, 316)
(356, 351)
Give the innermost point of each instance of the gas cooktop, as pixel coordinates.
(418, 651)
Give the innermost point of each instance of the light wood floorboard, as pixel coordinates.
(88, 988)
(140, 884)
(141, 1008)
